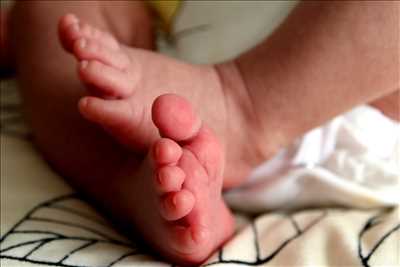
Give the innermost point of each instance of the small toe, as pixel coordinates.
(166, 152)
(176, 205)
(89, 49)
(115, 116)
(107, 81)
(191, 240)
(68, 30)
(170, 179)
(109, 113)
(71, 28)
(68, 19)
(105, 38)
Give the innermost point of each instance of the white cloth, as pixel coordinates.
(44, 224)
(351, 161)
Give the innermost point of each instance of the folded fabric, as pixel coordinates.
(350, 161)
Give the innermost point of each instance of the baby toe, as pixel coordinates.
(175, 117)
(107, 80)
(169, 179)
(191, 241)
(89, 49)
(166, 152)
(68, 30)
(86, 30)
(176, 205)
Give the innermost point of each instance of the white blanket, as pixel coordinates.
(44, 223)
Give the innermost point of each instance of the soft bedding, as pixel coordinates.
(45, 223)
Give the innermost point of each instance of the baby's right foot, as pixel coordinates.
(175, 198)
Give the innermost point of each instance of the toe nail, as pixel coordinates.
(75, 27)
(175, 200)
(83, 102)
(84, 64)
(156, 151)
(159, 178)
(82, 43)
(73, 18)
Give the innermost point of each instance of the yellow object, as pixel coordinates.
(166, 10)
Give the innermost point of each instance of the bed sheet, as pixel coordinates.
(44, 222)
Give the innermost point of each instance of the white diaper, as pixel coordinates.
(353, 160)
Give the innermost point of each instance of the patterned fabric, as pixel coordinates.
(44, 223)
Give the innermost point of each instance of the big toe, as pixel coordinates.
(175, 117)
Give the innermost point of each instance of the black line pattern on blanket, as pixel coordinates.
(91, 231)
(371, 223)
(259, 261)
(47, 237)
(44, 238)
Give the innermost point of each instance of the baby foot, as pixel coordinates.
(175, 198)
(123, 82)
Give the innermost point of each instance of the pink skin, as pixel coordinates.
(181, 178)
